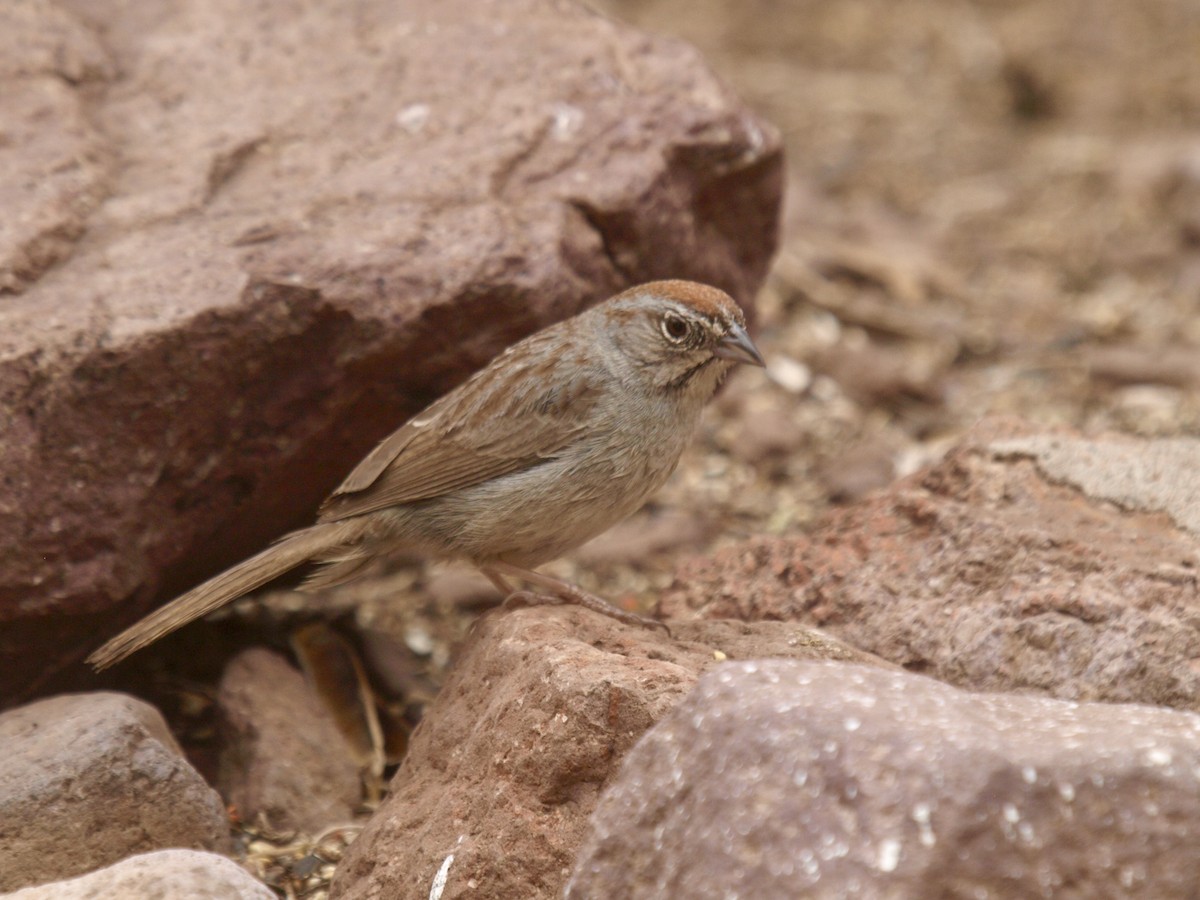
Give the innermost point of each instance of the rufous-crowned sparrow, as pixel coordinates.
(561, 436)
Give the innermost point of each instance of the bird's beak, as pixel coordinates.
(738, 347)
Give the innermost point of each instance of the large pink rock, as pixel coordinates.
(783, 778)
(245, 242)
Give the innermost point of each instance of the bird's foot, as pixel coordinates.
(573, 595)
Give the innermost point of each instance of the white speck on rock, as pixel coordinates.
(414, 117)
(567, 121)
(809, 863)
(889, 855)
(1159, 757)
(922, 814)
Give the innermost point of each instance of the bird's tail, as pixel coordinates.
(287, 553)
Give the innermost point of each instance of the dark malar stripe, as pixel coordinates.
(678, 384)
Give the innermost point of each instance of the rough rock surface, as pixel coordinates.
(785, 779)
(493, 797)
(164, 875)
(1021, 561)
(88, 779)
(282, 756)
(230, 264)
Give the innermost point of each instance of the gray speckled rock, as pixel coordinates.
(784, 779)
(89, 779)
(164, 875)
(1160, 475)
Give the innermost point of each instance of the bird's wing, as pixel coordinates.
(527, 415)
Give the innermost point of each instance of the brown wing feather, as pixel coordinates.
(471, 436)
(374, 463)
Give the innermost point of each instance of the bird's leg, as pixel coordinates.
(506, 590)
(559, 591)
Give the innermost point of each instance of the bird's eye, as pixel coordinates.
(674, 328)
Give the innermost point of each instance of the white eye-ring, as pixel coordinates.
(674, 328)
